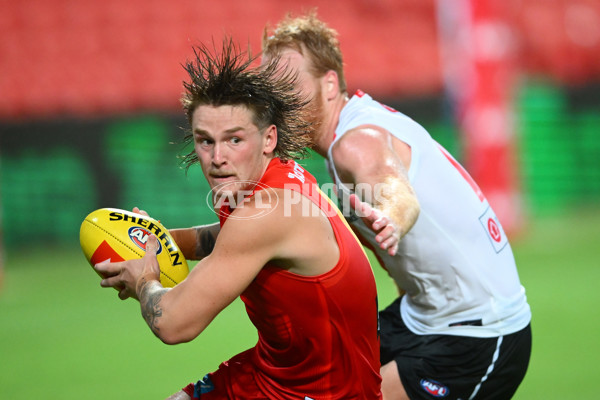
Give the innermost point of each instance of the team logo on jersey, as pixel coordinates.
(493, 229)
(139, 236)
(434, 388)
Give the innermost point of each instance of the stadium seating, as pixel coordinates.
(67, 57)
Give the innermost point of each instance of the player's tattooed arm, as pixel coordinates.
(150, 295)
(206, 236)
(196, 242)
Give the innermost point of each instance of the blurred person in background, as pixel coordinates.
(293, 267)
(460, 328)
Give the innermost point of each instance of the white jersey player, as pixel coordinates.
(461, 329)
(455, 264)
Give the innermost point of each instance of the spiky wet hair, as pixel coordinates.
(227, 78)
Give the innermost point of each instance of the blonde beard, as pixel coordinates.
(315, 114)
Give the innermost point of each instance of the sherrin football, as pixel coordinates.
(110, 234)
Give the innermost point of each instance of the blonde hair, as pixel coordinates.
(310, 37)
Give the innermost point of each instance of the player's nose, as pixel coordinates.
(218, 156)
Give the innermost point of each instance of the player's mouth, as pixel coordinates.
(220, 178)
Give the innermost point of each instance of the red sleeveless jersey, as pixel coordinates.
(317, 335)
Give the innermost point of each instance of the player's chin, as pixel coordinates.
(222, 185)
(232, 188)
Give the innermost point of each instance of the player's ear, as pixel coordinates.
(270, 139)
(331, 84)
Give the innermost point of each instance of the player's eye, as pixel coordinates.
(236, 140)
(204, 142)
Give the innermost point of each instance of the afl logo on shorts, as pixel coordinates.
(434, 388)
(139, 236)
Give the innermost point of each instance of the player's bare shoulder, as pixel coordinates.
(360, 137)
(259, 207)
(287, 228)
(359, 148)
(265, 216)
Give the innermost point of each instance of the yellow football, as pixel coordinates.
(110, 234)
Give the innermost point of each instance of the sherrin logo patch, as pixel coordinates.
(139, 236)
(434, 388)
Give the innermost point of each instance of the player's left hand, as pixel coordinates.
(388, 234)
(126, 276)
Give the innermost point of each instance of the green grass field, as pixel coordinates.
(63, 337)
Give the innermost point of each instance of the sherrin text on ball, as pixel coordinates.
(113, 235)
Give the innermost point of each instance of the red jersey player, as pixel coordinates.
(283, 248)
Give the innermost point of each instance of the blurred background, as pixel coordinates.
(90, 118)
(90, 97)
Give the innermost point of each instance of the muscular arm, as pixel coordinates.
(181, 313)
(242, 248)
(150, 295)
(369, 155)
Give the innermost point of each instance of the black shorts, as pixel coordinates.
(454, 367)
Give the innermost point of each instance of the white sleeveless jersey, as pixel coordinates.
(455, 264)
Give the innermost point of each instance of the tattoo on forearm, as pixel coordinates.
(150, 297)
(206, 242)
